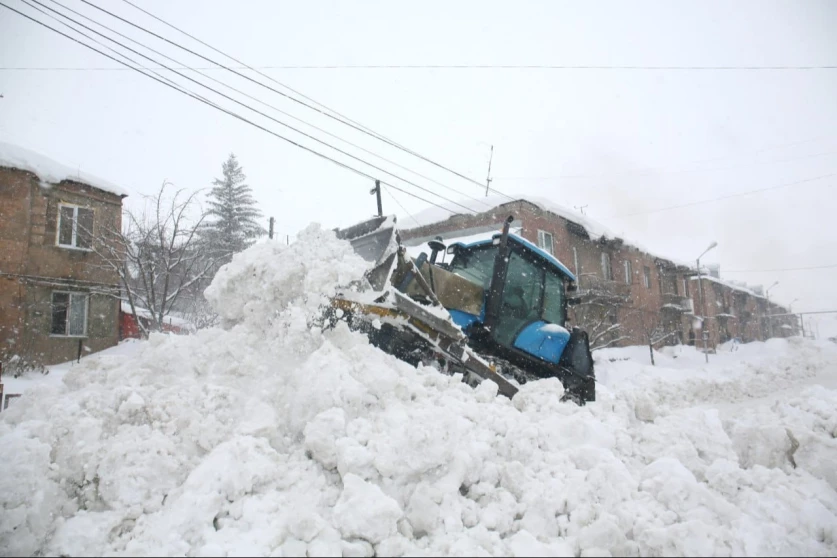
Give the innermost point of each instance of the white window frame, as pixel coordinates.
(575, 262)
(86, 297)
(646, 277)
(607, 268)
(74, 239)
(628, 272)
(542, 242)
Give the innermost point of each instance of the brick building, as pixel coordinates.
(56, 294)
(627, 295)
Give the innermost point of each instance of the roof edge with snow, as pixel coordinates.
(50, 171)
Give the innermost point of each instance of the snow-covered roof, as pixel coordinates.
(50, 171)
(479, 205)
(145, 313)
(594, 229)
(736, 286)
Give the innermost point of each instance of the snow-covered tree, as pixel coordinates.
(232, 216)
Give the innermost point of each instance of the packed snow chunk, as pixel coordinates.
(524, 543)
(554, 329)
(264, 279)
(365, 512)
(321, 436)
(31, 500)
(540, 396)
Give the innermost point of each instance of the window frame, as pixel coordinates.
(646, 276)
(575, 262)
(607, 267)
(71, 294)
(74, 235)
(542, 234)
(629, 272)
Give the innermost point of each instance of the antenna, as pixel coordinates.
(581, 207)
(488, 176)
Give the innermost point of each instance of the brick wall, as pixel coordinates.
(32, 266)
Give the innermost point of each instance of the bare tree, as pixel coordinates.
(652, 330)
(596, 311)
(156, 256)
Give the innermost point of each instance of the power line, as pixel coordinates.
(454, 66)
(342, 120)
(99, 43)
(244, 94)
(229, 112)
(740, 194)
(401, 206)
(341, 151)
(651, 171)
(780, 269)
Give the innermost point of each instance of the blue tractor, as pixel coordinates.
(497, 310)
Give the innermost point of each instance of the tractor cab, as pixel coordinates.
(531, 291)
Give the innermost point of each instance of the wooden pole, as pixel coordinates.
(270, 232)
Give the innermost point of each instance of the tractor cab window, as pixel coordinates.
(521, 301)
(475, 265)
(553, 303)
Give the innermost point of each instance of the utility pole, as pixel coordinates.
(270, 231)
(769, 312)
(703, 306)
(377, 191)
(488, 176)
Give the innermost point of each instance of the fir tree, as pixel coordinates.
(232, 224)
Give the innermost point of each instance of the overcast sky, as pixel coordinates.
(622, 142)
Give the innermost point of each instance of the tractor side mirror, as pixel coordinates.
(452, 249)
(436, 245)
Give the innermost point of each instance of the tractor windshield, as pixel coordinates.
(475, 265)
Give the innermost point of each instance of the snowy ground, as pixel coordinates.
(271, 437)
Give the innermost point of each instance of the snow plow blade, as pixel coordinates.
(403, 321)
(370, 239)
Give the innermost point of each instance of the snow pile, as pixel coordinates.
(273, 437)
(268, 278)
(50, 171)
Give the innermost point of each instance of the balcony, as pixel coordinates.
(676, 302)
(594, 288)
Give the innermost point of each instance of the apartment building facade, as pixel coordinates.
(627, 295)
(57, 295)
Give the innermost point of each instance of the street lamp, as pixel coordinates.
(769, 320)
(702, 305)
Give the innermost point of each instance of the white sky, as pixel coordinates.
(619, 141)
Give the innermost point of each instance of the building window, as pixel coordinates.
(575, 262)
(69, 314)
(545, 242)
(607, 272)
(647, 276)
(75, 227)
(686, 287)
(628, 272)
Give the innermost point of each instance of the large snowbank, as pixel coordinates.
(273, 437)
(50, 171)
